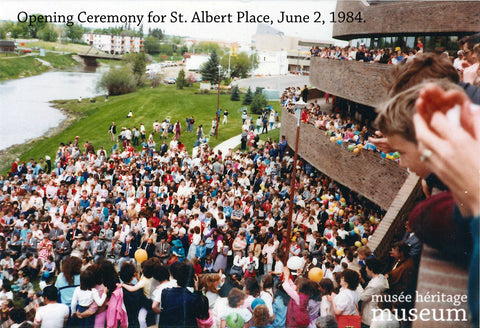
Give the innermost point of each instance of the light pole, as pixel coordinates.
(218, 101)
(299, 105)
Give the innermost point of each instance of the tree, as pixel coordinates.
(48, 33)
(152, 45)
(118, 81)
(209, 70)
(259, 102)
(240, 65)
(138, 63)
(37, 25)
(235, 96)
(181, 82)
(248, 97)
(156, 33)
(16, 30)
(183, 49)
(74, 32)
(3, 34)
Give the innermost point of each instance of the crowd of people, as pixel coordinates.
(159, 237)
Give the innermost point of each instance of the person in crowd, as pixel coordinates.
(377, 285)
(69, 279)
(52, 314)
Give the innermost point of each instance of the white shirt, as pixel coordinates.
(86, 297)
(53, 315)
(346, 302)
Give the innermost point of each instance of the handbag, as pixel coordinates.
(350, 321)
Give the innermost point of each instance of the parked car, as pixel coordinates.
(26, 51)
(170, 80)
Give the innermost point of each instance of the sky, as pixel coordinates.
(239, 17)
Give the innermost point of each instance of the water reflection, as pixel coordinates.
(24, 109)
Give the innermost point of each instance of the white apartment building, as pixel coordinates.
(114, 44)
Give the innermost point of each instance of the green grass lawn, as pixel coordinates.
(11, 68)
(55, 46)
(148, 105)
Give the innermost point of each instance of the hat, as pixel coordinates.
(257, 301)
(177, 243)
(80, 235)
(398, 48)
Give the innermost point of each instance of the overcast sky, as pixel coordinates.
(232, 31)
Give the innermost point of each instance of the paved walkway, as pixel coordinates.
(231, 143)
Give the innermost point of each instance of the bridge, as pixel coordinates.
(90, 58)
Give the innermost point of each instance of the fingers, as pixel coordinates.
(432, 98)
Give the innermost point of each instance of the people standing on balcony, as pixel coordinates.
(305, 93)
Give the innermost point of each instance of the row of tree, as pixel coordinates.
(240, 65)
(41, 30)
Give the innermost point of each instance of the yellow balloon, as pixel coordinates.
(372, 219)
(356, 151)
(340, 252)
(339, 137)
(358, 243)
(341, 212)
(315, 274)
(332, 139)
(141, 255)
(360, 146)
(364, 241)
(357, 231)
(342, 200)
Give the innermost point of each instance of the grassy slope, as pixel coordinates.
(69, 47)
(147, 105)
(11, 68)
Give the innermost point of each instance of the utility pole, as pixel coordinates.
(218, 102)
(299, 106)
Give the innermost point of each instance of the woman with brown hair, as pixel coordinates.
(68, 279)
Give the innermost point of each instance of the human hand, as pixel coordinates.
(381, 142)
(448, 148)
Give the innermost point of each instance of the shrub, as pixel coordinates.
(118, 81)
(248, 97)
(235, 96)
(258, 103)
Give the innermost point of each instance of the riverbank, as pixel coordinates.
(24, 66)
(8, 155)
(90, 121)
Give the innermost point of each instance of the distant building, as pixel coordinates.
(7, 46)
(114, 44)
(278, 53)
(193, 62)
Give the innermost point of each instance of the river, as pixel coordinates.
(25, 112)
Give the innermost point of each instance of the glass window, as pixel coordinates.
(410, 42)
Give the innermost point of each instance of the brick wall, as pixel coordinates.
(403, 17)
(367, 173)
(357, 81)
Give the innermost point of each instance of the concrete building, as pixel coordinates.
(193, 62)
(439, 24)
(114, 44)
(279, 54)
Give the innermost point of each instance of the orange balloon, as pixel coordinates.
(358, 243)
(315, 274)
(141, 255)
(364, 241)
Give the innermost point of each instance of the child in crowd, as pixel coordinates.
(84, 295)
